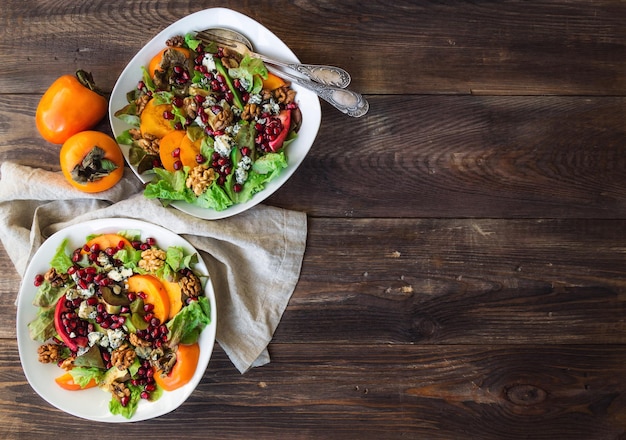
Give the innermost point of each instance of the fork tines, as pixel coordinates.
(209, 37)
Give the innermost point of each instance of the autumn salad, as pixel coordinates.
(209, 123)
(122, 314)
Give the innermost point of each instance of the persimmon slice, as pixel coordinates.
(154, 292)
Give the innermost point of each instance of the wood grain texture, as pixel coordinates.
(404, 47)
(438, 392)
(452, 156)
(464, 276)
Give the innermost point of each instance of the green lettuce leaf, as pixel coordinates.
(82, 375)
(42, 327)
(186, 326)
(61, 261)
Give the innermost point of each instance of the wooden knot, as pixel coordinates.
(424, 326)
(526, 395)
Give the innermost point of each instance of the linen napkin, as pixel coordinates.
(254, 258)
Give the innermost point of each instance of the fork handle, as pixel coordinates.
(346, 101)
(328, 75)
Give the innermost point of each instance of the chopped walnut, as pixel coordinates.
(199, 179)
(119, 390)
(148, 142)
(176, 41)
(137, 341)
(250, 111)
(55, 278)
(190, 107)
(141, 102)
(49, 353)
(284, 95)
(67, 364)
(152, 259)
(123, 356)
(190, 285)
(230, 58)
(221, 120)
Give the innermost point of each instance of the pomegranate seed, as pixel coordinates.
(168, 115)
(176, 152)
(142, 295)
(125, 400)
(199, 99)
(86, 247)
(178, 165)
(246, 151)
(237, 187)
(144, 246)
(131, 296)
(39, 279)
(141, 85)
(148, 307)
(155, 322)
(177, 101)
(199, 158)
(145, 395)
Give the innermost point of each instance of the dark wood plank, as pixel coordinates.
(566, 47)
(454, 282)
(380, 391)
(453, 156)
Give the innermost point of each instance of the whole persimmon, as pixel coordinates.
(92, 161)
(71, 104)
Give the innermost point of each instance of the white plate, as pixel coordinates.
(93, 403)
(264, 41)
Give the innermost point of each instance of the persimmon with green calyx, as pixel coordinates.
(71, 104)
(183, 370)
(92, 161)
(66, 381)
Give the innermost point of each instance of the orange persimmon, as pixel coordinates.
(66, 381)
(92, 161)
(183, 370)
(167, 147)
(177, 146)
(152, 121)
(70, 105)
(273, 82)
(155, 62)
(105, 241)
(175, 294)
(154, 292)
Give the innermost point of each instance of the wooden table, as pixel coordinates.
(465, 271)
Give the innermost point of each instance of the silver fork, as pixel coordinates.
(328, 75)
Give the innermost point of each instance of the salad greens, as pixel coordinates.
(94, 324)
(236, 114)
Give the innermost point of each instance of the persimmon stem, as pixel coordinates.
(86, 79)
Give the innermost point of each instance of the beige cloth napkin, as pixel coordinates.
(254, 258)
